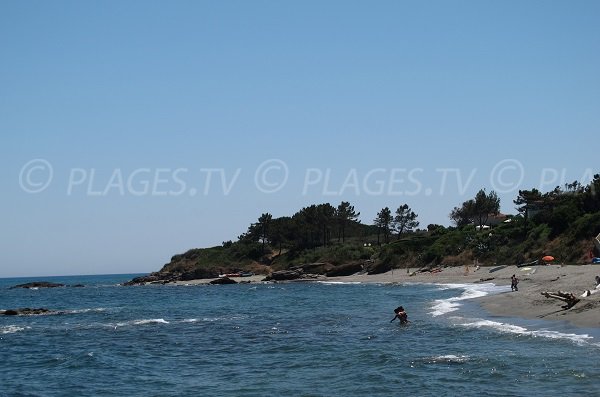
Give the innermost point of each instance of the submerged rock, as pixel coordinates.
(38, 284)
(26, 311)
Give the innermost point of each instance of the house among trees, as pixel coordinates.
(493, 220)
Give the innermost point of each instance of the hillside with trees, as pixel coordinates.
(327, 239)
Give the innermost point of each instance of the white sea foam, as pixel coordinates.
(150, 321)
(11, 329)
(139, 322)
(190, 320)
(471, 291)
(212, 319)
(448, 358)
(79, 311)
(518, 330)
(339, 282)
(224, 318)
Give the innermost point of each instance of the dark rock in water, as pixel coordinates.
(142, 280)
(345, 270)
(26, 312)
(77, 286)
(169, 277)
(223, 280)
(38, 284)
(283, 275)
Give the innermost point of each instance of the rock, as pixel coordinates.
(345, 270)
(27, 312)
(198, 274)
(223, 280)
(318, 268)
(142, 280)
(282, 275)
(38, 284)
(379, 267)
(77, 286)
(169, 277)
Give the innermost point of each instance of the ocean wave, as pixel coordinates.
(91, 310)
(12, 329)
(138, 322)
(447, 359)
(518, 330)
(339, 282)
(470, 291)
(223, 318)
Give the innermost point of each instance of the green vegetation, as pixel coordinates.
(561, 223)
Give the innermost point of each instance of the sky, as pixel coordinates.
(131, 131)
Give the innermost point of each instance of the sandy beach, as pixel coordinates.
(527, 302)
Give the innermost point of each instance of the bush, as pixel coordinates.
(586, 227)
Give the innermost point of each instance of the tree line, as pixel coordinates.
(321, 225)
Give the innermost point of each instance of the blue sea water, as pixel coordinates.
(294, 339)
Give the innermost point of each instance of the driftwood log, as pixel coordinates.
(569, 298)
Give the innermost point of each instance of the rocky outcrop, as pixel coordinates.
(379, 267)
(317, 268)
(38, 284)
(26, 312)
(168, 277)
(223, 280)
(154, 278)
(283, 275)
(198, 274)
(345, 270)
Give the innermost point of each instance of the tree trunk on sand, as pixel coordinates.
(567, 297)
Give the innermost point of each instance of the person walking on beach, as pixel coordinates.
(400, 315)
(513, 283)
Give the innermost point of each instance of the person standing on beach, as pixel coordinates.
(513, 283)
(400, 315)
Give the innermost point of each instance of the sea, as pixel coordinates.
(286, 339)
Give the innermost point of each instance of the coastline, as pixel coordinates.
(527, 302)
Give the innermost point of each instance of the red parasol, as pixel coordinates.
(548, 258)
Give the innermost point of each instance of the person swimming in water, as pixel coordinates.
(400, 315)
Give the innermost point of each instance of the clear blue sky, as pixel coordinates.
(393, 94)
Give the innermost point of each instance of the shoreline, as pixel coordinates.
(527, 302)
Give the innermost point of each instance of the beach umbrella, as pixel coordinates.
(548, 258)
